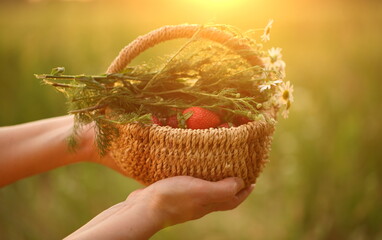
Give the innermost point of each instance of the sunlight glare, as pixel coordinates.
(219, 4)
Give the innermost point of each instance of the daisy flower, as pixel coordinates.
(274, 54)
(267, 32)
(284, 97)
(273, 61)
(285, 92)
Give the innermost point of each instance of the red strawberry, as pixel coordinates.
(240, 120)
(156, 120)
(172, 121)
(201, 118)
(226, 125)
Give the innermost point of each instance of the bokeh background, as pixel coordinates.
(324, 179)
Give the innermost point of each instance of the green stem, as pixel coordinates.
(230, 76)
(88, 109)
(150, 82)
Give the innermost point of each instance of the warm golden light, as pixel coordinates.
(219, 4)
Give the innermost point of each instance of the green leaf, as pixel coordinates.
(182, 118)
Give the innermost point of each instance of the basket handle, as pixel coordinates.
(140, 44)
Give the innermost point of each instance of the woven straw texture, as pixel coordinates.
(152, 153)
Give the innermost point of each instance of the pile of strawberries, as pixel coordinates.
(199, 118)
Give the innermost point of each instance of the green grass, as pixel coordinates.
(324, 180)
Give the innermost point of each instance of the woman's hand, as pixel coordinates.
(167, 202)
(183, 198)
(87, 143)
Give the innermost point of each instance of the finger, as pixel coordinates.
(234, 201)
(244, 193)
(224, 190)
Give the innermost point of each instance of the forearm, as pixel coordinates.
(126, 220)
(36, 147)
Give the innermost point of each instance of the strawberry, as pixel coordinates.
(240, 120)
(226, 125)
(172, 121)
(201, 118)
(156, 120)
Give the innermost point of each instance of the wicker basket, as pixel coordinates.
(151, 153)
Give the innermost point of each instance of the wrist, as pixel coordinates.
(145, 218)
(87, 147)
(147, 221)
(86, 144)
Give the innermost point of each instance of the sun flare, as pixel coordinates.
(218, 4)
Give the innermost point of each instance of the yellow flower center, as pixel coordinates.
(286, 95)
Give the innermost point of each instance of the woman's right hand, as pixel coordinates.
(164, 203)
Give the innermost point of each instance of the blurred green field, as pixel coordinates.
(324, 179)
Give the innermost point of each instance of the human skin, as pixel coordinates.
(36, 147)
(167, 202)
